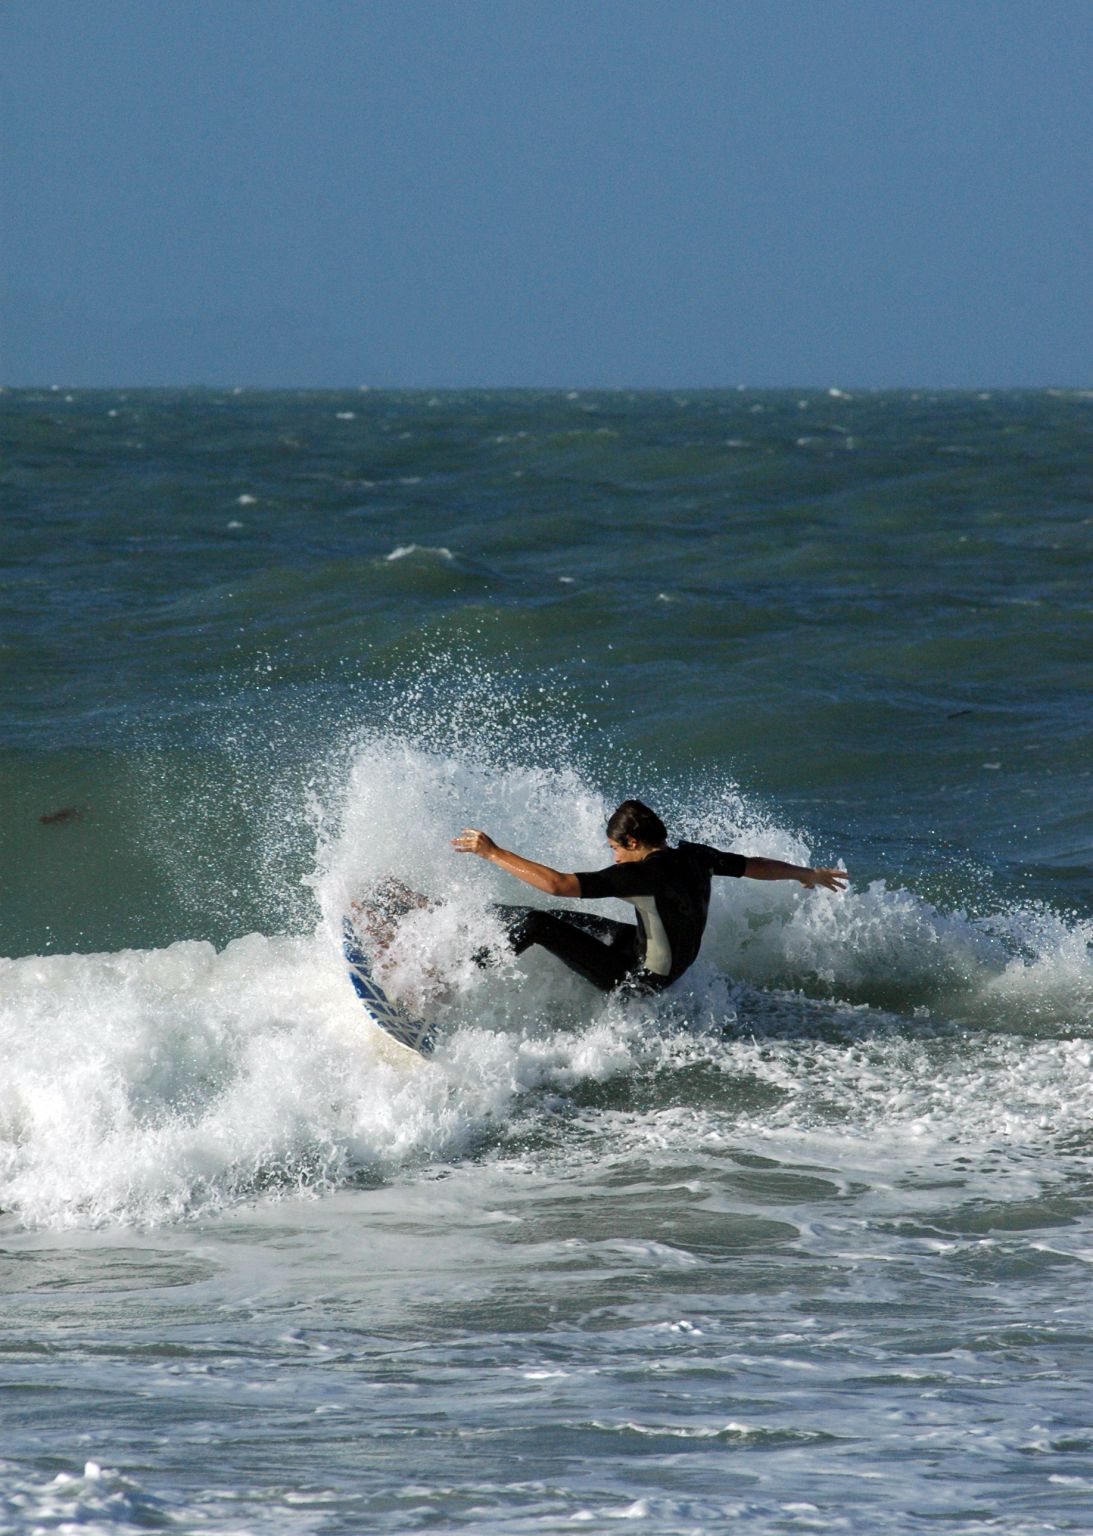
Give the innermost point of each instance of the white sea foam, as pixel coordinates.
(403, 551)
(98, 1500)
(143, 1086)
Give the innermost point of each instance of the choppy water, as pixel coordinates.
(806, 1245)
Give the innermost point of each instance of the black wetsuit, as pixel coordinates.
(670, 889)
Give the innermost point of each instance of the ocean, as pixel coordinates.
(804, 1245)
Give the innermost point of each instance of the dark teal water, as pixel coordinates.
(870, 613)
(804, 1248)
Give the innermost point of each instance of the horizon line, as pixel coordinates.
(831, 390)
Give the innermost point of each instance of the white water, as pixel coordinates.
(803, 1247)
(151, 1086)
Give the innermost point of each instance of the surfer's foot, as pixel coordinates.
(395, 897)
(376, 915)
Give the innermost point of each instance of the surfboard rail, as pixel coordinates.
(398, 1025)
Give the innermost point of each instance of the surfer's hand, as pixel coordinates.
(830, 879)
(470, 840)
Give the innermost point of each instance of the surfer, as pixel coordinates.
(668, 887)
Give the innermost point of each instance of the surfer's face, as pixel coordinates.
(628, 851)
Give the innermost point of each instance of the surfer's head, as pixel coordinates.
(634, 829)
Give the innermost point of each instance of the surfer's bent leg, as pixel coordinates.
(602, 951)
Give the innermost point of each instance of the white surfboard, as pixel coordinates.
(395, 1022)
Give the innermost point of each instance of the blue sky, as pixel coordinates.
(546, 192)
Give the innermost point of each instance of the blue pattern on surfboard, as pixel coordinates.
(395, 1022)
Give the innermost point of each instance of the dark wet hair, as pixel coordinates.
(637, 821)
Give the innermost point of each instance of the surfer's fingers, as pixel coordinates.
(469, 840)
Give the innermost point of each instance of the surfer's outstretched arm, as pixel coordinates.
(777, 869)
(541, 876)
